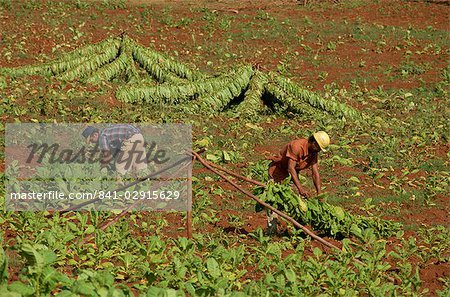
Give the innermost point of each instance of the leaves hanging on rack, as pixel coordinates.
(174, 94)
(232, 87)
(331, 106)
(177, 83)
(252, 102)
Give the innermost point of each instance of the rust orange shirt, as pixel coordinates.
(296, 150)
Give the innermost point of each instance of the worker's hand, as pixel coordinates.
(106, 157)
(303, 193)
(105, 160)
(321, 197)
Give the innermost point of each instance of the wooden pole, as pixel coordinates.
(255, 182)
(151, 175)
(139, 180)
(280, 213)
(189, 202)
(106, 224)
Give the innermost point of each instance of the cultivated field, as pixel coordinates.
(249, 76)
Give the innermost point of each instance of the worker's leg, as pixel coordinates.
(272, 222)
(123, 162)
(140, 156)
(132, 156)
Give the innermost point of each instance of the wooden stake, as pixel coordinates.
(189, 202)
(106, 224)
(189, 223)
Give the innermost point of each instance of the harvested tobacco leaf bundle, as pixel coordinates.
(151, 77)
(321, 216)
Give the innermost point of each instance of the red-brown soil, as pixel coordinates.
(341, 65)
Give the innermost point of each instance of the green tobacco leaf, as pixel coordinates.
(331, 106)
(3, 266)
(34, 258)
(211, 93)
(290, 275)
(4, 292)
(90, 65)
(339, 212)
(226, 156)
(22, 289)
(213, 267)
(354, 179)
(212, 157)
(3, 83)
(68, 61)
(356, 230)
(83, 288)
(90, 229)
(252, 102)
(322, 216)
(190, 289)
(302, 204)
(284, 102)
(147, 56)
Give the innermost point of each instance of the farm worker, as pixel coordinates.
(121, 142)
(295, 156)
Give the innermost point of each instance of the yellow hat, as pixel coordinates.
(322, 139)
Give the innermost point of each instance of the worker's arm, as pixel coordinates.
(106, 158)
(294, 177)
(104, 146)
(316, 178)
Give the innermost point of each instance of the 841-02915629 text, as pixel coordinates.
(102, 195)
